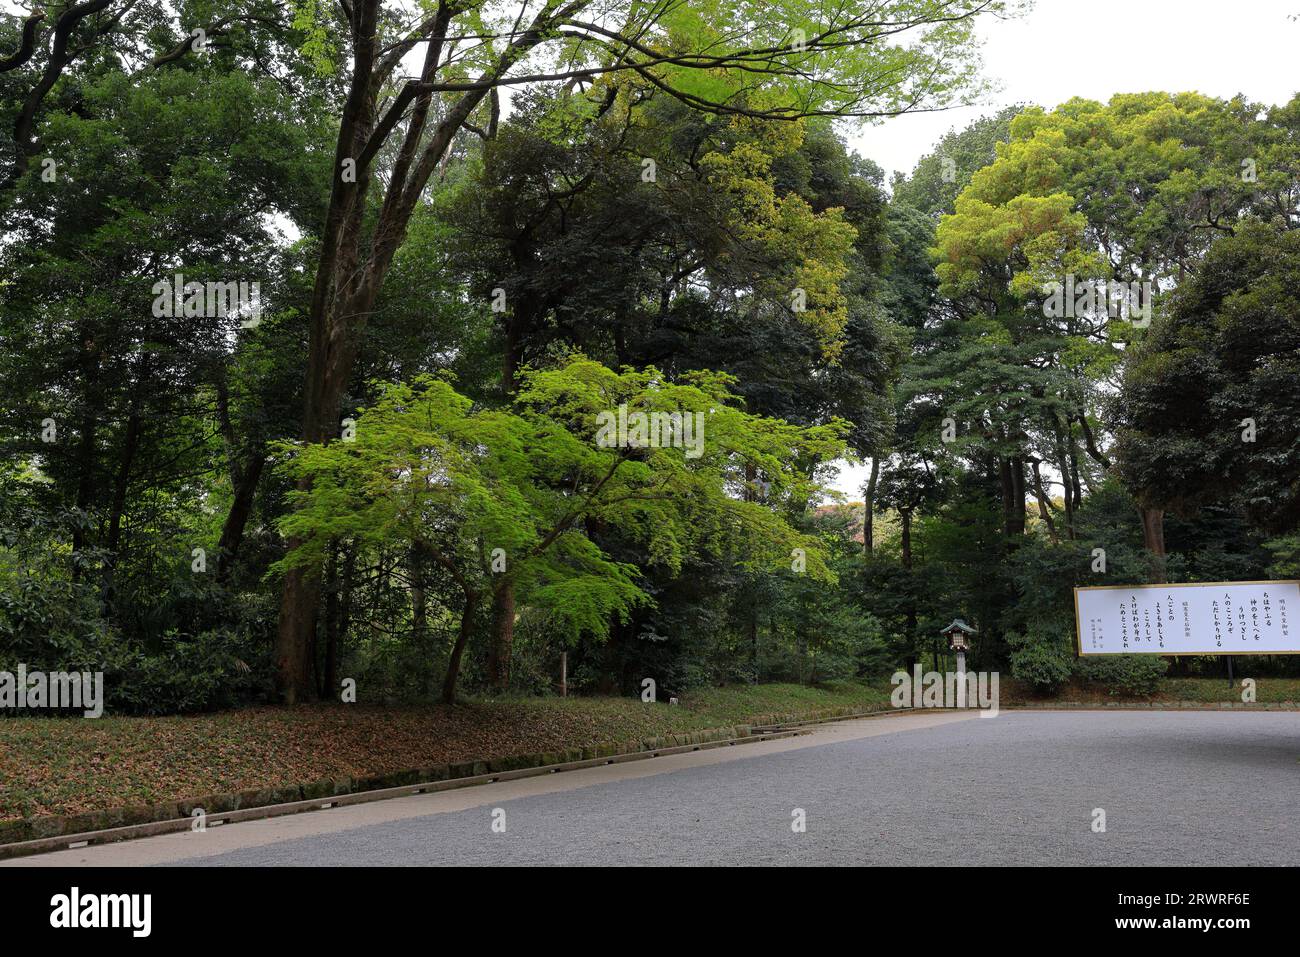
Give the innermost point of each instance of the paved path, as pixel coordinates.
(1178, 788)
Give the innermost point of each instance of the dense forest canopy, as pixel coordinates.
(310, 314)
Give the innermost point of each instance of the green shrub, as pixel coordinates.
(1042, 657)
(213, 670)
(1123, 674)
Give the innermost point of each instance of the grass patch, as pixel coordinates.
(751, 704)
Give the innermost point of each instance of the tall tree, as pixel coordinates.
(725, 59)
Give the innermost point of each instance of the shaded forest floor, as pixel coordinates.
(61, 766)
(71, 765)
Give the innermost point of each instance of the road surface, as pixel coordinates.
(1177, 788)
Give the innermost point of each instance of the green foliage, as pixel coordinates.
(213, 670)
(940, 176)
(1044, 659)
(1123, 674)
(508, 495)
(1225, 353)
(756, 244)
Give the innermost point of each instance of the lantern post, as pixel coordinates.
(958, 635)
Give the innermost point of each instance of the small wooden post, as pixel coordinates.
(564, 674)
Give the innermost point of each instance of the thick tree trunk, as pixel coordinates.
(415, 565)
(518, 324)
(296, 633)
(458, 650)
(335, 324)
(503, 636)
(1153, 537)
(1004, 483)
(353, 265)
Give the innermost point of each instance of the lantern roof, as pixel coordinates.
(958, 625)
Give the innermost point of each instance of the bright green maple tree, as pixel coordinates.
(499, 497)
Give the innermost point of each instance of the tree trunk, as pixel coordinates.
(295, 635)
(1004, 483)
(1018, 497)
(518, 325)
(415, 565)
(88, 367)
(458, 650)
(905, 515)
(342, 619)
(354, 259)
(329, 671)
(232, 532)
(1075, 487)
(869, 507)
(1069, 481)
(123, 481)
(1044, 503)
(503, 636)
(341, 283)
(1153, 537)
(118, 506)
(1011, 476)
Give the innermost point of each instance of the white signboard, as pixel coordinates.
(1218, 618)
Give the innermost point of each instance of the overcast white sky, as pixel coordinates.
(1097, 48)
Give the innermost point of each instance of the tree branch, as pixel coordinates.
(27, 46)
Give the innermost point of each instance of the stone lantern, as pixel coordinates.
(958, 635)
